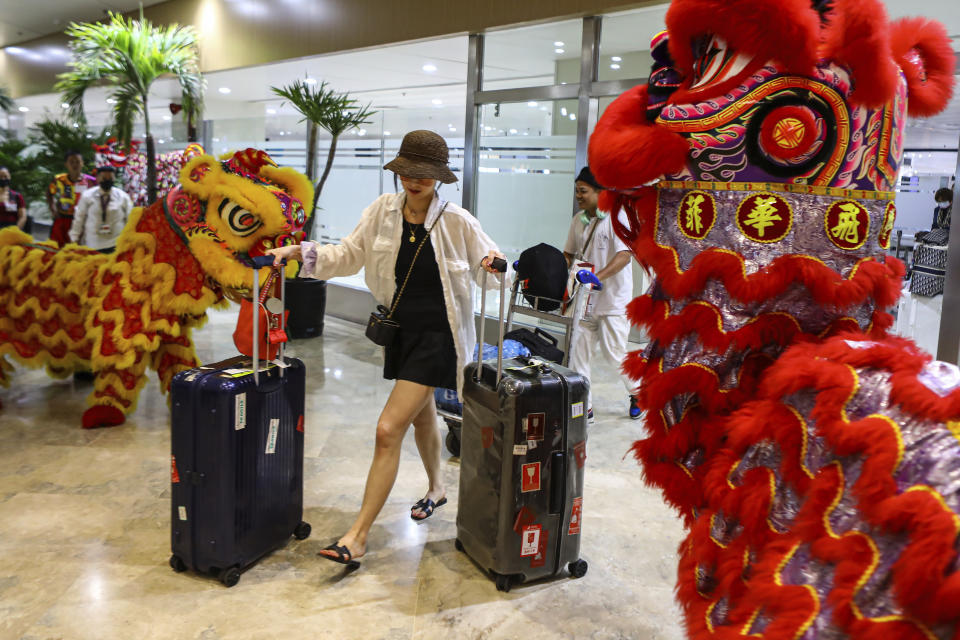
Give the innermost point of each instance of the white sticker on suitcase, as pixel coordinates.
(183, 513)
(531, 540)
(576, 410)
(272, 436)
(240, 412)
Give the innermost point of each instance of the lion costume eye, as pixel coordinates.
(241, 222)
(716, 62)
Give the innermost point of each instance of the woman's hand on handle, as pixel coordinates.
(289, 252)
(487, 263)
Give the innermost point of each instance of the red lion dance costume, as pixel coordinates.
(814, 458)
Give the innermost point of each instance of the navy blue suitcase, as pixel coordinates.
(237, 464)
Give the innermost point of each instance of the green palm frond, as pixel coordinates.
(129, 55)
(6, 102)
(333, 112)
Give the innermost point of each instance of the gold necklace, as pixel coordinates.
(413, 227)
(413, 231)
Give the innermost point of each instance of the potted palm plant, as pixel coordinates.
(336, 113)
(128, 56)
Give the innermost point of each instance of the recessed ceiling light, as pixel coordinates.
(166, 117)
(429, 67)
(281, 133)
(437, 101)
(111, 101)
(531, 104)
(64, 105)
(616, 58)
(558, 50)
(386, 133)
(513, 131)
(23, 109)
(453, 129)
(558, 44)
(309, 80)
(362, 132)
(160, 140)
(224, 90)
(614, 66)
(272, 112)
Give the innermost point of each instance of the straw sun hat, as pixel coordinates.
(423, 154)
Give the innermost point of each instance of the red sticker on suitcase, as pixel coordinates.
(530, 540)
(580, 453)
(531, 477)
(575, 516)
(535, 425)
(486, 436)
(174, 475)
(525, 517)
(300, 424)
(540, 558)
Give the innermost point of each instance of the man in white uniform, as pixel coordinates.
(101, 214)
(591, 239)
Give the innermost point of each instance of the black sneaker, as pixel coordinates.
(635, 412)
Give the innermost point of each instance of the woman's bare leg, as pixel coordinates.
(406, 401)
(429, 442)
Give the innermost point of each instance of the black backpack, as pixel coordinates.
(539, 342)
(543, 273)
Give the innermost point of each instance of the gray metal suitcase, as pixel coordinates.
(522, 456)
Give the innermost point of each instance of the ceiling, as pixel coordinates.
(51, 16)
(394, 78)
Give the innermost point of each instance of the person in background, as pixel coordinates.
(64, 193)
(941, 214)
(420, 258)
(591, 240)
(13, 211)
(101, 213)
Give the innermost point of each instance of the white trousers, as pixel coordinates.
(611, 333)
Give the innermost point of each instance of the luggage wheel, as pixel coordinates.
(177, 564)
(577, 568)
(230, 576)
(302, 532)
(453, 444)
(504, 582)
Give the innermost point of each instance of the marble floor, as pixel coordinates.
(84, 528)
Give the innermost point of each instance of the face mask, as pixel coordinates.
(106, 185)
(4, 182)
(586, 219)
(942, 205)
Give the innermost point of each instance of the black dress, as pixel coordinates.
(424, 351)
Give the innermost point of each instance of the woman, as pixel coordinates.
(13, 211)
(435, 248)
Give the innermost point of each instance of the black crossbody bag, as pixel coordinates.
(381, 329)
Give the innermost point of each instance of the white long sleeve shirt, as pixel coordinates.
(95, 228)
(459, 243)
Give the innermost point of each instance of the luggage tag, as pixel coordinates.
(275, 335)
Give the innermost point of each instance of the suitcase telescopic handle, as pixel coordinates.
(259, 262)
(500, 265)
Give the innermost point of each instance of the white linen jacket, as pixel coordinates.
(458, 242)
